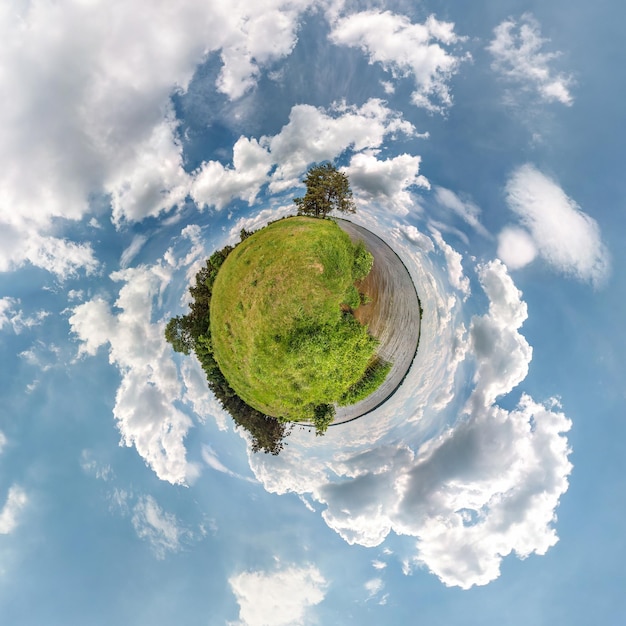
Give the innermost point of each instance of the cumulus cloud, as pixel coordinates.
(198, 396)
(387, 181)
(484, 486)
(216, 185)
(90, 112)
(456, 274)
(144, 405)
(517, 56)
(314, 135)
(488, 488)
(280, 598)
(421, 51)
(153, 180)
(501, 353)
(9, 515)
(160, 529)
(265, 31)
(555, 226)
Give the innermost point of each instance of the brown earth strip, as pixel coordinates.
(393, 316)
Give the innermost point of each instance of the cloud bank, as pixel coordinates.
(470, 492)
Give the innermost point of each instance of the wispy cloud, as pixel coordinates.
(467, 210)
(9, 515)
(209, 456)
(160, 529)
(518, 57)
(11, 315)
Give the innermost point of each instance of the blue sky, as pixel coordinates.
(484, 142)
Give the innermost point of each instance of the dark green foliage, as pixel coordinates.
(191, 332)
(180, 334)
(327, 189)
(323, 416)
(363, 261)
(244, 234)
(374, 375)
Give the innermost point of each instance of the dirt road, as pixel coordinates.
(393, 317)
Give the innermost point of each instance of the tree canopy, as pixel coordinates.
(327, 189)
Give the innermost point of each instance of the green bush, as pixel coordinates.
(352, 298)
(363, 262)
(373, 378)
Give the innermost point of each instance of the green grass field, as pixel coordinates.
(278, 330)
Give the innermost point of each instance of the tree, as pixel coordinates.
(323, 416)
(179, 333)
(327, 189)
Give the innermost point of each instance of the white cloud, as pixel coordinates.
(386, 182)
(132, 250)
(198, 395)
(11, 315)
(266, 31)
(517, 56)
(403, 48)
(144, 405)
(153, 180)
(7, 311)
(314, 135)
(516, 247)
(376, 564)
(373, 587)
(216, 185)
(456, 274)
(310, 135)
(9, 515)
(486, 489)
(209, 456)
(160, 529)
(502, 354)
(561, 232)
(90, 111)
(280, 598)
(90, 465)
(3, 441)
(466, 209)
(484, 486)
(420, 239)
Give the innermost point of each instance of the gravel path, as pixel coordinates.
(393, 317)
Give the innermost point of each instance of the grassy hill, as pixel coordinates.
(281, 326)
